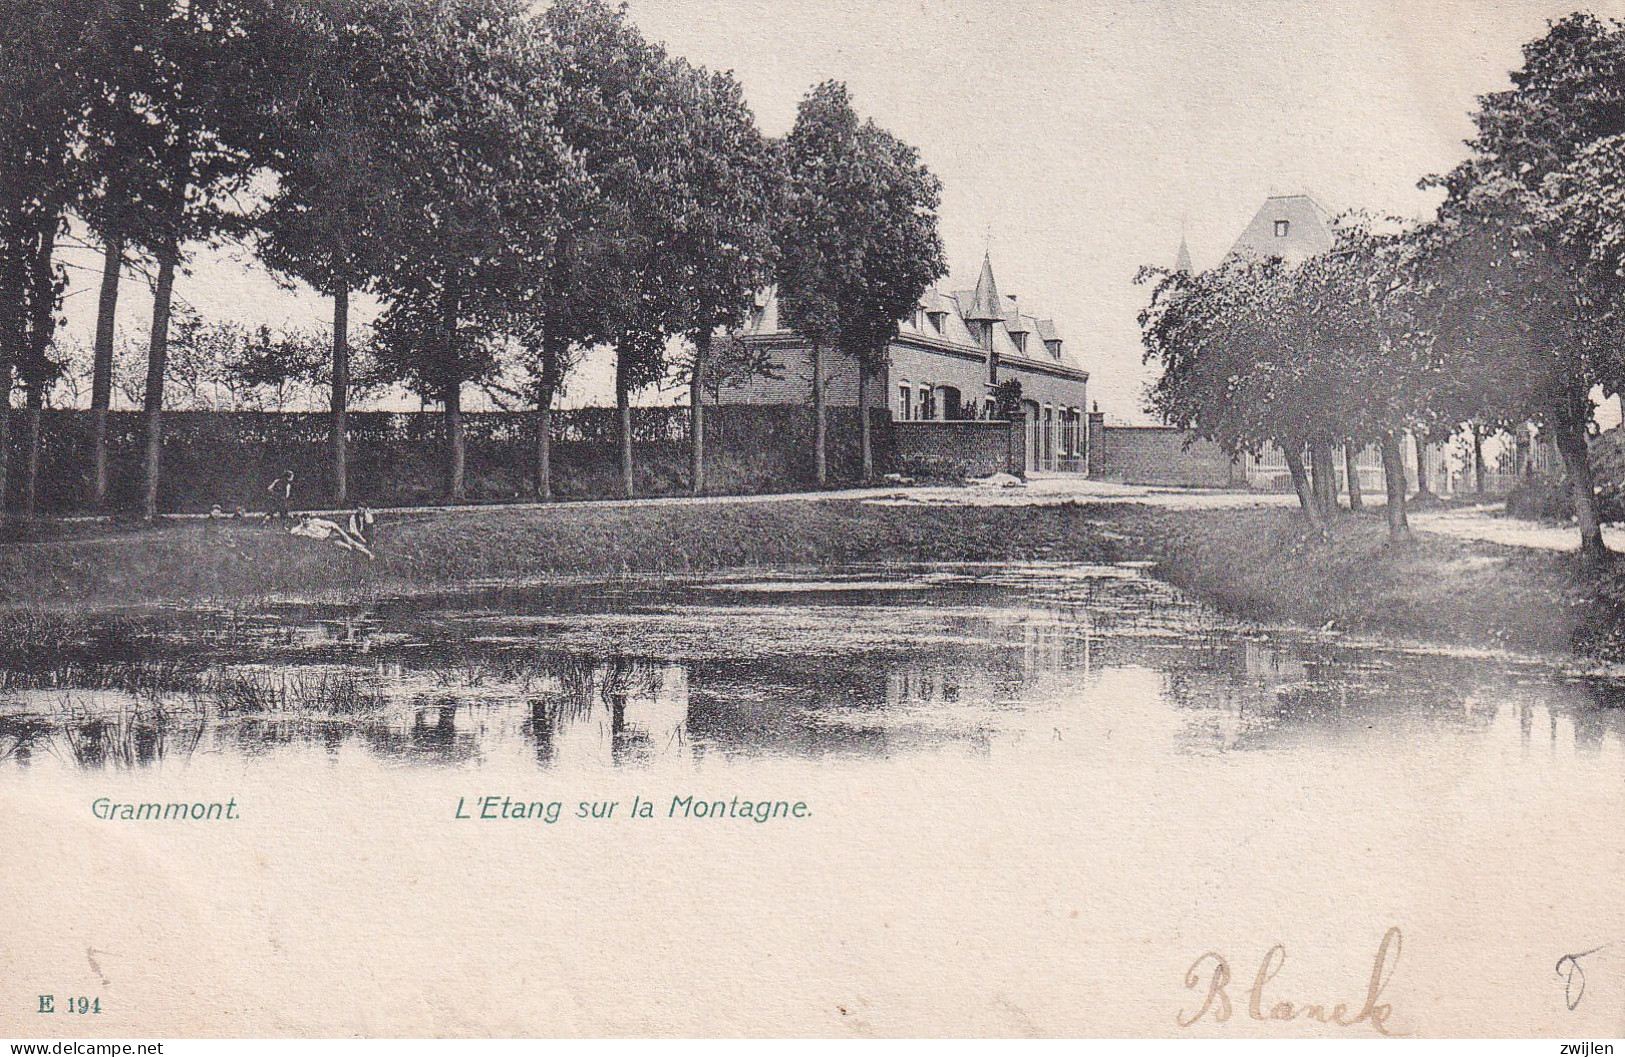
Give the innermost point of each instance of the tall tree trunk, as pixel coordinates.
(696, 410)
(1422, 464)
(5, 427)
(1324, 469)
(1571, 444)
(43, 327)
(339, 402)
(1300, 484)
(820, 422)
(456, 443)
(157, 361)
(1351, 467)
(31, 452)
(544, 446)
(452, 400)
(1393, 480)
(101, 372)
(1480, 482)
(623, 414)
(865, 429)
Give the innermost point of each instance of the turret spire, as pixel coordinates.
(984, 306)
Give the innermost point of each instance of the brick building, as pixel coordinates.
(944, 364)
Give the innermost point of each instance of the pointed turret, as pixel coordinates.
(985, 306)
(1182, 259)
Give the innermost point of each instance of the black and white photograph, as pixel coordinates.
(818, 518)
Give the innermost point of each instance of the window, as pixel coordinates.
(936, 320)
(1282, 227)
(905, 402)
(990, 408)
(928, 403)
(1054, 348)
(1020, 339)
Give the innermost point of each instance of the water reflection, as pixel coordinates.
(944, 659)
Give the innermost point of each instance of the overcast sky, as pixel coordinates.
(1077, 138)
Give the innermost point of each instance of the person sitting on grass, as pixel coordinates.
(361, 519)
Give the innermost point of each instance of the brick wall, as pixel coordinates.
(1157, 455)
(958, 449)
(229, 457)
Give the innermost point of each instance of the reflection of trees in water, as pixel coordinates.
(868, 705)
(122, 739)
(1271, 697)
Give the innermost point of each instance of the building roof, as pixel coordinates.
(943, 319)
(1291, 227)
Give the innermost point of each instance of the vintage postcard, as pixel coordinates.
(812, 518)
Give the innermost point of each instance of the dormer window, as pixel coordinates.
(1054, 348)
(1282, 227)
(936, 319)
(1020, 339)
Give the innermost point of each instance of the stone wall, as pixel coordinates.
(1157, 455)
(959, 449)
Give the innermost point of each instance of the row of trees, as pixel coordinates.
(516, 188)
(1504, 309)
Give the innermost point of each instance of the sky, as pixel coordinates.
(1077, 140)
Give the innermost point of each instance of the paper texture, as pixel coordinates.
(1004, 796)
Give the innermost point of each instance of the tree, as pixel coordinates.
(44, 45)
(483, 173)
(192, 71)
(902, 257)
(734, 191)
(1394, 379)
(821, 235)
(1253, 353)
(624, 112)
(119, 193)
(1532, 304)
(331, 221)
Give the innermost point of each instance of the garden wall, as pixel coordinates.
(229, 457)
(959, 448)
(1157, 455)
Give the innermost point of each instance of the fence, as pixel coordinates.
(228, 457)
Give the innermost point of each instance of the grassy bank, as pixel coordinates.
(1257, 563)
(193, 561)
(1264, 563)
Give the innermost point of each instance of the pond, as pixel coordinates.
(1033, 794)
(849, 664)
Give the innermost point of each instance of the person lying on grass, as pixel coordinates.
(321, 529)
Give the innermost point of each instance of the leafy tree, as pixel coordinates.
(623, 112)
(331, 221)
(902, 257)
(44, 45)
(734, 186)
(821, 234)
(858, 242)
(1530, 301)
(482, 171)
(120, 191)
(191, 73)
(1244, 350)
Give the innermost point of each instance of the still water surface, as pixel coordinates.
(854, 665)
